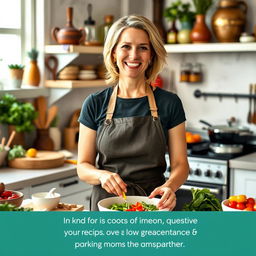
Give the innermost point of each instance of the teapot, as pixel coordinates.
(69, 34)
(229, 20)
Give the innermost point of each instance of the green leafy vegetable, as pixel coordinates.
(133, 207)
(203, 200)
(16, 151)
(10, 207)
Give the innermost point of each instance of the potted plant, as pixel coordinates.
(16, 73)
(186, 18)
(200, 32)
(32, 73)
(19, 116)
(172, 14)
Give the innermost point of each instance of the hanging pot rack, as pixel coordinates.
(199, 94)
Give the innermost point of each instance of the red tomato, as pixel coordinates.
(250, 200)
(254, 207)
(240, 206)
(250, 209)
(232, 204)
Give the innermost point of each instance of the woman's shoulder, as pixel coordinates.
(165, 95)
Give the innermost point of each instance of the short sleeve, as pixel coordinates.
(177, 113)
(87, 114)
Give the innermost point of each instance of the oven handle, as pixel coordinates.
(212, 190)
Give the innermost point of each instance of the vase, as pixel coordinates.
(172, 33)
(19, 138)
(32, 74)
(43, 140)
(200, 32)
(16, 76)
(184, 33)
(55, 135)
(228, 21)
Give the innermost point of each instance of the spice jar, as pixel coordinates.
(185, 72)
(196, 74)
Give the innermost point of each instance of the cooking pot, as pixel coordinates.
(225, 134)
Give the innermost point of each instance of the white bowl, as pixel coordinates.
(226, 208)
(104, 204)
(41, 203)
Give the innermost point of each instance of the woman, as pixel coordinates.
(128, 126)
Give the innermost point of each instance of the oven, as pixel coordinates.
(209, 173)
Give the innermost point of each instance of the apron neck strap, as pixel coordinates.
(113, 97)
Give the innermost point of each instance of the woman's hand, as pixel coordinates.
(168, 199)
(112, 183)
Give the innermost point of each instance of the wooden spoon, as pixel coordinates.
(249, 117)
(42, 109)
(254, 112)
(52, 112)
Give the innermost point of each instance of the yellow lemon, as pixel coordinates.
(32, 152)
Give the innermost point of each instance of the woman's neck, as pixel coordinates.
(131, 88)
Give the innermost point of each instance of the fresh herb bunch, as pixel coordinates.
(16, 66)
(16, 151)
(33, 54)
(19, 114)
(180, 11)
(10, 207)
(203, 200)
(202, 6)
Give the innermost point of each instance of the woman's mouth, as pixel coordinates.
(132, 65)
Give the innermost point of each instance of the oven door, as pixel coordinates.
(184, 194)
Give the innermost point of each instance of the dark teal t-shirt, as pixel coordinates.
(170, 109)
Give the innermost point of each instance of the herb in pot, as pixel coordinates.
(203, 200)
(16, 151)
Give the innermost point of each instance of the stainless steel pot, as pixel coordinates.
(226, 149)
(225, 134)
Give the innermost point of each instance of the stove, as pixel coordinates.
(207, 170)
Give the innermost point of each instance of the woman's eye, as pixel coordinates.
(125, 46)
(144, 48)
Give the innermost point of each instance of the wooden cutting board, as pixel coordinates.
(43, 160)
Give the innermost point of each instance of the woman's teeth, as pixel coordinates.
(132, 65)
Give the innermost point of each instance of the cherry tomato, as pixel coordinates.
(254, 207)
(250, 209)
(240, 206)
(248, 205)
(250, 200)
(241, 198)
(232, 198)
(232, 204)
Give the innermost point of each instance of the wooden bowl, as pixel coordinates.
(15, 201)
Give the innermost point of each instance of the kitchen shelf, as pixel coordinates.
(75, 83)
(26, 93)
(210, 47)
(66, 48)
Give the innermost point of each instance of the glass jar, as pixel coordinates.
(185, 72)
(196, 73)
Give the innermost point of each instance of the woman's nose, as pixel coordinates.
(133, 53)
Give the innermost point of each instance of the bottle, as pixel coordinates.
(185, 72)
(196, 74)
(104, 28)
(90, 28)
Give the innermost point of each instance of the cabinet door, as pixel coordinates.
(244, 182)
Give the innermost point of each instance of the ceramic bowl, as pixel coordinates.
(104, 204)
(15, 201)
(42, 203)
(226, 208)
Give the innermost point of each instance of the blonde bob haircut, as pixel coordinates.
(156, 44)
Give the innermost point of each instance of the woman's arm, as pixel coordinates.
(178, 165)
(86, 169)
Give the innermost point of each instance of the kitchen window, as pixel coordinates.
(17, 33)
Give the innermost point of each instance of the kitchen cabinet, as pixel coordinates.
(243, 175)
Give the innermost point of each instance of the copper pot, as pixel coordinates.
(229, 20)
(69, 34)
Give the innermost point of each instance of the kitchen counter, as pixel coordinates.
(247, 162)
(19, 178)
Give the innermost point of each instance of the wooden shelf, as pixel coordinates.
(26, 92)
(75, 83)
(68, 48)
(211, 47)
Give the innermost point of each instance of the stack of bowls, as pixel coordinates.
(87, 72)
(101, 71)
(69, 73)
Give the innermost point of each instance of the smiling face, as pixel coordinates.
(132, 53)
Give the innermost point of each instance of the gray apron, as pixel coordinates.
(133, 147)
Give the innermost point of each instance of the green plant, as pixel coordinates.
(172, 12)
(185, 14)
(33, 54)
(202, 6)
(16, 66)
(16, 151)
(19, 114)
